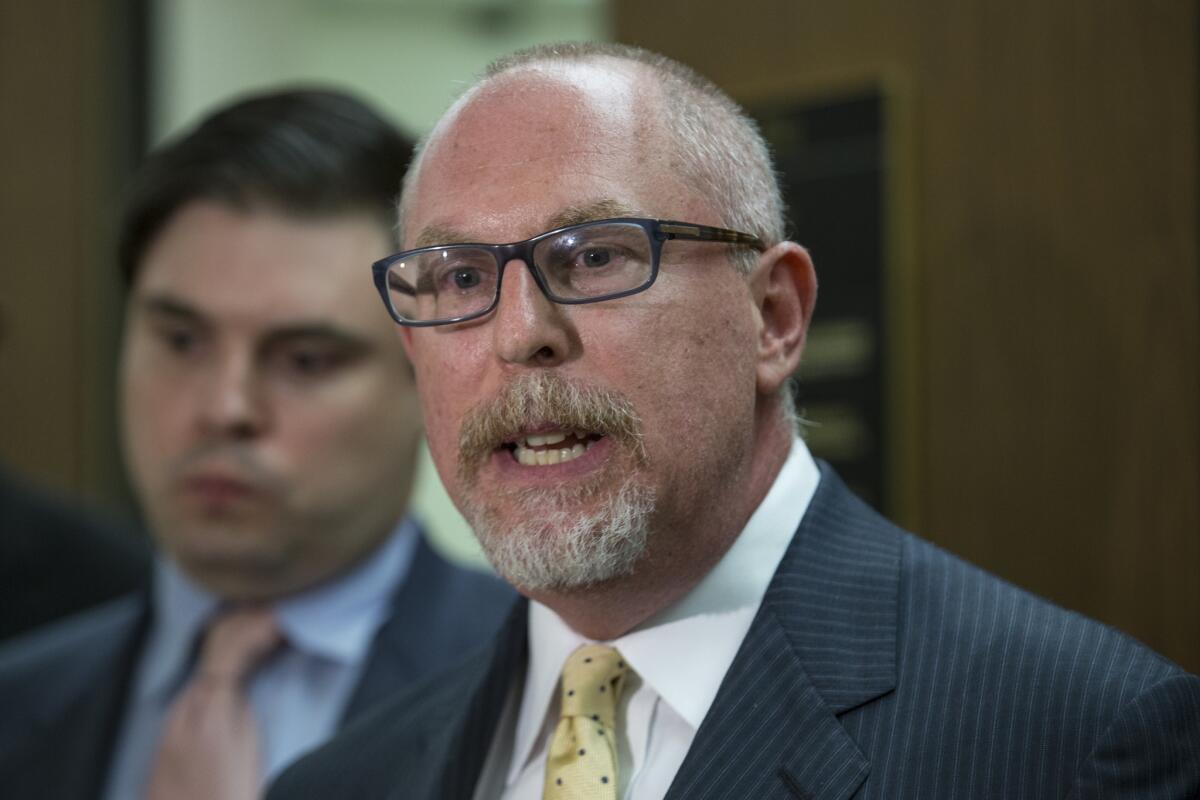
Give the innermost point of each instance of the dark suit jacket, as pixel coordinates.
(877, 667)
(57, 559)
(62, 690)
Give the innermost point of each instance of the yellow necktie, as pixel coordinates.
(582, 764)
(209, 745)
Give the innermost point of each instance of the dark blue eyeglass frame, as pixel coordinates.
(657, 231)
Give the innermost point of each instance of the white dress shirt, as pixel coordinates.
(679, 658)
(298, 696)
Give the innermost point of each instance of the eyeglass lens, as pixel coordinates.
(583, 262)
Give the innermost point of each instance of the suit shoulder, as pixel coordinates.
(1003, 636)
(1018, 683)
(1005, 689)
(43, 672)
(55, 648)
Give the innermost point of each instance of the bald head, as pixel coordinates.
(542, 131)
(677, 119)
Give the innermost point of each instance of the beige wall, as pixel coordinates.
(410, 58)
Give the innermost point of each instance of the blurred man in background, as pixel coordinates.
(604, 314)
(270, 426)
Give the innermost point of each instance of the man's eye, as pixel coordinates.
(594, 257)
(311, 362)
(178, 340)
(461, 278)
(465, 278)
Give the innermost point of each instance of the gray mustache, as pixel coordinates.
(544, 397)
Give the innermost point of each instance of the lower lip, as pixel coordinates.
(512, 470)
(218, 491)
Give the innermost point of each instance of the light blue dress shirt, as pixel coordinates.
(298, 696)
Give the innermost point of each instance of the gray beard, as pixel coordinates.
(556, 547)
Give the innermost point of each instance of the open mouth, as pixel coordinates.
(551, 447)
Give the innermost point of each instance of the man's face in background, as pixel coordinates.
(270, 421)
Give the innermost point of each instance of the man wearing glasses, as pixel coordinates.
(604, 314)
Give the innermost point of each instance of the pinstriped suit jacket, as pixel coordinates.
(877, 667)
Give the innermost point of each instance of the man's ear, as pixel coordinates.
(784, 287)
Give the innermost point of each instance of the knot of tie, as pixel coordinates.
(591, 683)
(235, 643)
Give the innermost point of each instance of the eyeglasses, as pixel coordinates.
(585, 263)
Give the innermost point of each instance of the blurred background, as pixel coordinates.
(1001, 199)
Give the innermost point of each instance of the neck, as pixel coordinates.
(679, 556)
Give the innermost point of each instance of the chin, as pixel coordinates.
(231, 559)
(544, 546)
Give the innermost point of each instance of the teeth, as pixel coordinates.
(542, 458)
(539, 439)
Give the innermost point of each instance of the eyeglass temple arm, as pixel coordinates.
(703, 233)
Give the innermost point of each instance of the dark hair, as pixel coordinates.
(305, 152)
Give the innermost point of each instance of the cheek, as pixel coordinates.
(154, 415)
(342, 423)
(442, 423)
(449, 385)
(691, 374)
(335, 456)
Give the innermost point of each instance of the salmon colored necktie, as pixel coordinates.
(209, 748)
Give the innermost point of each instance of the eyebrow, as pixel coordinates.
(606, 208)
(441, 234)
(330, 334)
(167, 306)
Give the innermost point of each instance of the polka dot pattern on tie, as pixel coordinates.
(582, 763)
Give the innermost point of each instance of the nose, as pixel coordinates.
(231, 405)
(528, 328)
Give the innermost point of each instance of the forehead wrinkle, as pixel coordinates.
(477, 165)
(466, 147)
(605, 208)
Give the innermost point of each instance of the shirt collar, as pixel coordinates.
(335, 620)
(338, 619)
(713, 617)
(180, 610)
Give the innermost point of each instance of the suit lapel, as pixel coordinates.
(464, 748)
(80, 731)
(822, 643)
(409, 642)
